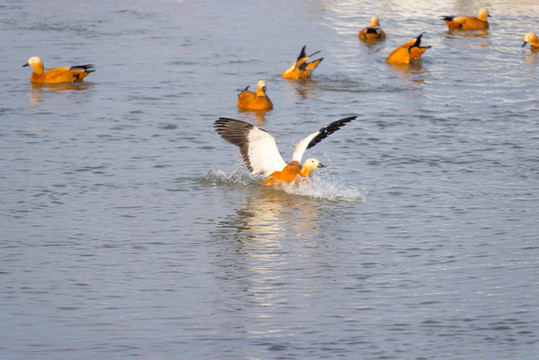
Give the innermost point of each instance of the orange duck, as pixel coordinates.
(533, 40)
(373, 31)
(408, 52)
(261, 155)
(58, 74)
(468, 22)
(301, 68)
(250, 100)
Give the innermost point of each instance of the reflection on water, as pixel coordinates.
(373, 45)
(458, 34)
(305, 88)
(467, 39)
(530, 57)
(273, 215)
(257, 117)
(410, 72)
(254, 243)
(37, 92)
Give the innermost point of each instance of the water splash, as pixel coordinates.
(326, 187)
(321, 186)
(237, 177)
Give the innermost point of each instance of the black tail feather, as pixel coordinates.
(87, 68)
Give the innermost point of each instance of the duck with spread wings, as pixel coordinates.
(261, 155)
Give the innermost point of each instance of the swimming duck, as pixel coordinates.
(533, 40)
(410, 51)
(57, 74)
(261, 155)
(373, 31)
(468, 22)
(302, 69)
(250, 100)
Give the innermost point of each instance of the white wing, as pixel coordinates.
(257, 146)
(302, 146)
(318, 136)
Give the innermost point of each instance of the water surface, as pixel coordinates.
(131, 229)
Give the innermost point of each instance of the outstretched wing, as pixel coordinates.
(257, 146)
(318, 136)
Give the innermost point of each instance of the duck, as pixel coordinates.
(468, 22)
(373, 31)
(261, 155)
(408, 52)
(302, 69)
(533, 40)
(58, 74)
(259, 100)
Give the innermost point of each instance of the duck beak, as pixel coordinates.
(321, 165)
(26, 65)
(525, 42)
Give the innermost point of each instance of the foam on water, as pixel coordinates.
(321, 186)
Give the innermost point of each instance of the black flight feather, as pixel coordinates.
(236, 132)
(329, 129)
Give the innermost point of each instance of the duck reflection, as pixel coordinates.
(305, 88)
(37, 91)
(273, 215)
(530, 58)
(258, 245)
(467, 39)
(255, 117)
(372, 46)
(413, 72)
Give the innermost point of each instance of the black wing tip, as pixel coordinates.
(228, 125)
(330, 129)
(343, 121)
(335, 125)
(223, 121)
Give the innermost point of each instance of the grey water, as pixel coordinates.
(130, 229)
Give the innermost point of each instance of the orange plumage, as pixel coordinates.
(302, 69)
(468, 22)
(533, 40)
(408, 52)
(373, 31)
(259, 100)
(292, 172)
(58, 74)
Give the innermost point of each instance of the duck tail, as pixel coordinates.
(88, 68)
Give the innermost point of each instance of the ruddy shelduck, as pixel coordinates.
(468, 22)
(259, 100)
(261, 155)
(58, 74)
(373, 31)
(408, 52)
(302, 69)
(533, 40)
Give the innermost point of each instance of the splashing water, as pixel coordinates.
(321, 186)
